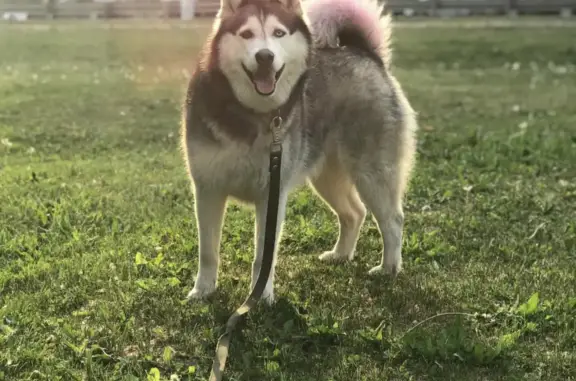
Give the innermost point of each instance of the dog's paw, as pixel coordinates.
(200, 292)
(391, 269)
(268, 297)
(333, 256)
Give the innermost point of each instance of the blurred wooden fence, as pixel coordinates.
(171, 8)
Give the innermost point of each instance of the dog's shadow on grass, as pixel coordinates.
(300, 338)
(318, 337)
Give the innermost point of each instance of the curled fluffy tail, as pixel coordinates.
(359, 23)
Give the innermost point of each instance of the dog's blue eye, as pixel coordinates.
(247, 34)
(279, 33)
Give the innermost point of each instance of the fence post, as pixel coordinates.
(566, 12)
(187, 9)
(108, 10)
(512, 8)
(165, 11)
(435, 5)
(51, 8)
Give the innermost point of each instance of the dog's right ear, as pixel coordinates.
(292, 5)
(228, 7)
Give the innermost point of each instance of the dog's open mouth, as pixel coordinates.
(264, 78)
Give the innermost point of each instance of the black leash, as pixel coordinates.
(223, 345)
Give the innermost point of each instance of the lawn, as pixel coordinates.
(98, 246)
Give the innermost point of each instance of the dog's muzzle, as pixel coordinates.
(264, 77)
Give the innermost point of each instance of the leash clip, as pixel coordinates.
(276, 127)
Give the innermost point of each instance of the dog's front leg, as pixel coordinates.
(210, 207)
(260, 233)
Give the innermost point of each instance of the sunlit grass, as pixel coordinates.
(98, 242)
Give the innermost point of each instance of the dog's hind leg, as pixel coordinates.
(210, 209)
(381, 191)
(334, 186)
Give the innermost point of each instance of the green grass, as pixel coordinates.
(98, 242)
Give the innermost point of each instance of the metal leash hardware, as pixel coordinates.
(219, 362)
(276, 127)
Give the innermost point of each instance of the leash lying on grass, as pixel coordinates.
(223, 345)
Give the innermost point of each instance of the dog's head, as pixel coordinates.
(262, 47)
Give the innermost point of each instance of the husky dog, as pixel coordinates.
(323, 66)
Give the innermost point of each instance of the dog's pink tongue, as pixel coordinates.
(264, 79)
(265, 85)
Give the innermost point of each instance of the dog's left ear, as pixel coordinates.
(292, 5)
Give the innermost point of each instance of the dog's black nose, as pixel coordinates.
(264, 57)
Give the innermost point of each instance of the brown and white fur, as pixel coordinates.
(348, 128)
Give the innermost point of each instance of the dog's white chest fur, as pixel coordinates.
(237, 169)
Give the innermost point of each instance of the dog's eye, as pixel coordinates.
(279, 33)
(247, 34)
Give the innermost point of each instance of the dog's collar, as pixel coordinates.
(235, 119)
(281, 115)
(296, 95)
